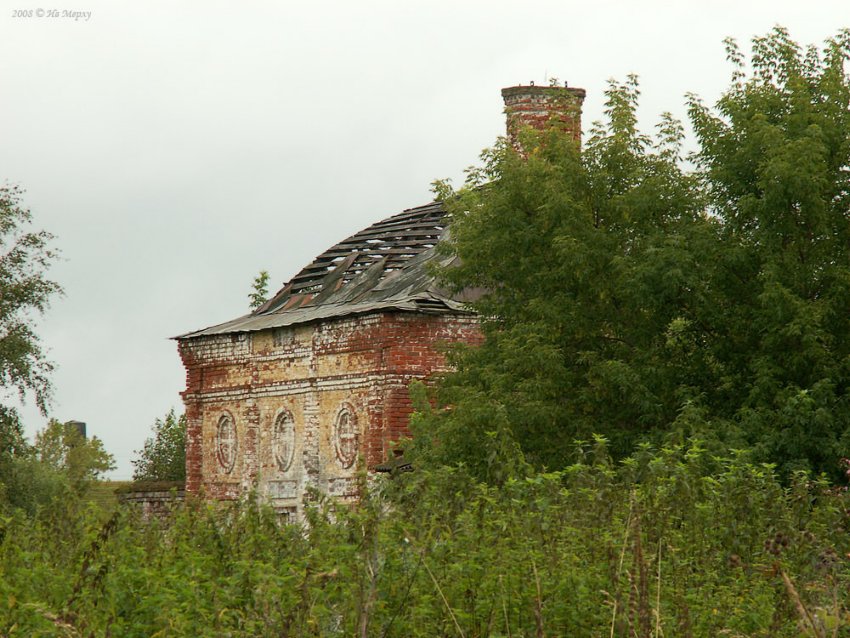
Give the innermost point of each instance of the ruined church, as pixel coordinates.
(298, 393)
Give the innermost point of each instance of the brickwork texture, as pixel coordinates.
(306, 406)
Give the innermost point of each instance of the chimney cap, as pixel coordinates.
(548, 91)
(540, 107)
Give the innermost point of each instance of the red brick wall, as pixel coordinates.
(536, 106)
(365, 363)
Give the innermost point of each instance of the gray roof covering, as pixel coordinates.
(382, 268)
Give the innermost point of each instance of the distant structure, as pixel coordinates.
(290, 396)
(79, 426)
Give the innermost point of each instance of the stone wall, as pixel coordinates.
(288, 409)
(152, 500)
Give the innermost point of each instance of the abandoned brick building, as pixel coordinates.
(292, 395)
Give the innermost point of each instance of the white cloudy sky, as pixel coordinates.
(176, 148)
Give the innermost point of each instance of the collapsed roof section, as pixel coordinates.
(386, 267)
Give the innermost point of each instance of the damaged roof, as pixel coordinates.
(385, 267)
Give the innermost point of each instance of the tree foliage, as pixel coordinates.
(163, 457)
(259, 290)
(60, 466)
(775, 158)
(25, 292)
(62, 447)
(631, 297)
(13, 446)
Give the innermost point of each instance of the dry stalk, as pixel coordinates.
(837, 607)
(504, 607)
(631, 616)
(643, 611)
(538, 606)
(445, 601)
(805, 616)
(369, 603)
(620, 565)
(658, 596)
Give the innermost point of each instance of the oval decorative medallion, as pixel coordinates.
(345, 436)
(225, 442)
(283, 440)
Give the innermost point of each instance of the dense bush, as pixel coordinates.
(674, 542)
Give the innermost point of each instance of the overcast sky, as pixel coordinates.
(177, 148)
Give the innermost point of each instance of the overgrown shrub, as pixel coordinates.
(673, 542)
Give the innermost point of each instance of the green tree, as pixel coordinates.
(163, 458)
(61, 464)
(587, 257)
(259, 290)
(633, 298)
(13, 447)
(61, 447)
(775, 158)
(25, 292)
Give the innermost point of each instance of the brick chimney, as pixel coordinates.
(535, 106)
